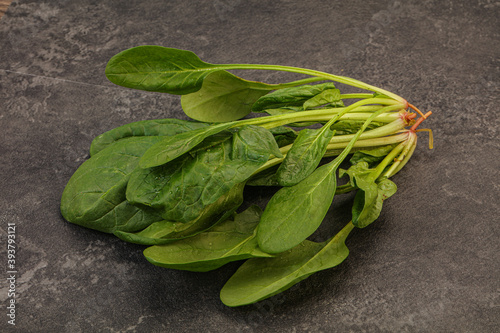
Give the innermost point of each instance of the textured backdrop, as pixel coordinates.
(429, 264)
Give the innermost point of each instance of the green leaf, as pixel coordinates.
(264, 178)
(223, 97)
(160, 69)
(295, 212)
(260, 278)
(368, 201)
(372, 192)
(172, 147)
(228, 241)
(325, 97)
(304, 156)
(283, 135)
(286, 97)
(164, 232)
(182, 189)
(95, 195)
(158, 127)
(371, 156)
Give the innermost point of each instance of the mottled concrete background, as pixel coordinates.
(430, 264)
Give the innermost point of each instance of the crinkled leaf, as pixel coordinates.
(295, 212)
(160, 69)
(172, 147)
(231, 240)
(327, 96)
(286, 97)
(158, 127)
(304, 156)
(95, 195)
(164, 232)
(223, 97)
(182, 189)
(260, 278)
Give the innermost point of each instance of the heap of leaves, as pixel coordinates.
(176, 185)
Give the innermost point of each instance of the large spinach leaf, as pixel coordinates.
(164, 232)
(158, 127)
(182, 190)
(95, 195)
(223, 97)
(231, 240)
(260, 278)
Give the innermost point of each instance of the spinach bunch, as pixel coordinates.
(176, 185)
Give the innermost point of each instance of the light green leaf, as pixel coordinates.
(223, 97)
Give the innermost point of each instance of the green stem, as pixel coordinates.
(327, 76)
(404, 157)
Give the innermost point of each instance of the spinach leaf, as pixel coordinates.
(295, 212)
(368, 201)
(158, 127)
(228, 241)
(172, 147)
(372, 192)
(160, 69)
(371, 156)
(267, 177)
(286, 97)
(283, 135)
(181, 190)
(260, 278)
(223, 97)
(327, 96)
(95, 195)
(164, 232)
(304, 156)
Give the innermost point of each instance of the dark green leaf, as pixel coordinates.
(172, 147)
(164, 232)
(294, 96)
(304, 156)
(160, 69)
(283, 135)
(158, 127)
(182, 189)
(223, 97)
(260, 278)
(95, 195)
(371, 156)
(228, 241)
(295, 212)
(325, 97)
(264, 178)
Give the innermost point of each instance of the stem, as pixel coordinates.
(336, 162)
(296, 83)
(278, 120)
(327, 76)
(403, 157)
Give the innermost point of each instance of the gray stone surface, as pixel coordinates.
(430, 264)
